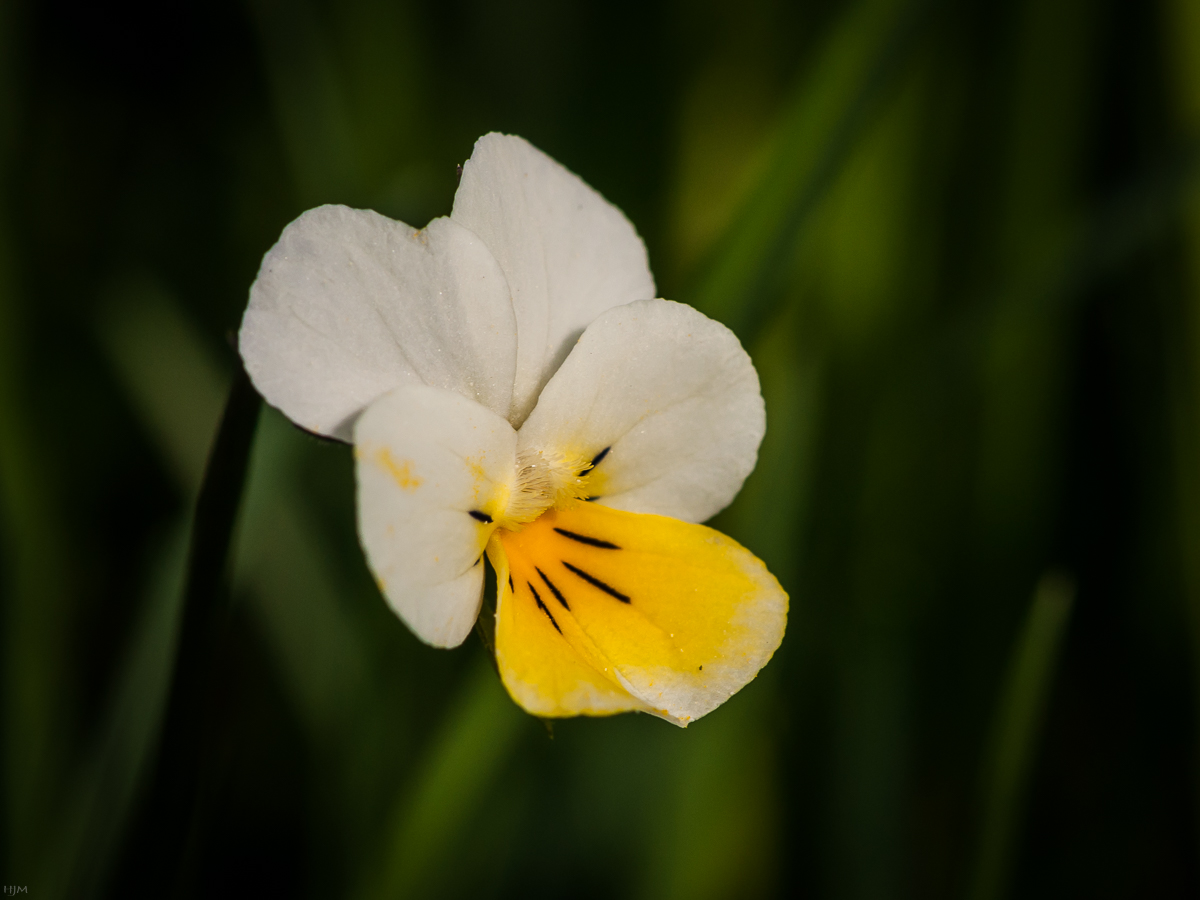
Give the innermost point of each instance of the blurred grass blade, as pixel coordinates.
(1182, 39)
(770, 514)
(835, 102)
(346, 91)
(719, 805)
(99, 806)
(35, 550)
(35, 587)
(1016, 729)
(296, 589)
(175, 791)
(169, 376)
(480, 731)
(309, 101)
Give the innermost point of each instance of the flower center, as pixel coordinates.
(545, 479)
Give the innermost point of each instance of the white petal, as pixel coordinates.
(427, 458)
(350, 304)
(674, 396)
(568, 254)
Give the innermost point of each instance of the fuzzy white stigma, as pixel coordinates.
(544, 479)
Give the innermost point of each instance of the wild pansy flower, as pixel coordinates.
(511, 388)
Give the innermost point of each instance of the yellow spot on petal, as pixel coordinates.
(400, 470)
(475, 467)
(479, 477)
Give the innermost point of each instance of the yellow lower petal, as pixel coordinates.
(601, 611)
(540, 669)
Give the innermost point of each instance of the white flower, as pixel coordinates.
(511, 388)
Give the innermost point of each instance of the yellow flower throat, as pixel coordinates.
(545, 480)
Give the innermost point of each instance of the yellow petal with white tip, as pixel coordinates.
(601, 610)
(542, 671)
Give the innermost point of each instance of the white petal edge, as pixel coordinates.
(350, 304)
(567, 253)
(672, 394)
(426, 458)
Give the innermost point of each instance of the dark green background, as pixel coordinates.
(961, 242)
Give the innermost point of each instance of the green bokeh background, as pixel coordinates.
(961, 242)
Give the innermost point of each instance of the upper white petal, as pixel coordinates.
(568, 254)
(426, 458)
(349, 304)
(674, 396)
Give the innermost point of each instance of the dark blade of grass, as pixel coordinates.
(1181, 37)
(1015, 731)
(174, 795)
(93, 821)
(179, 391)
(36, 546)
(830, 112)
